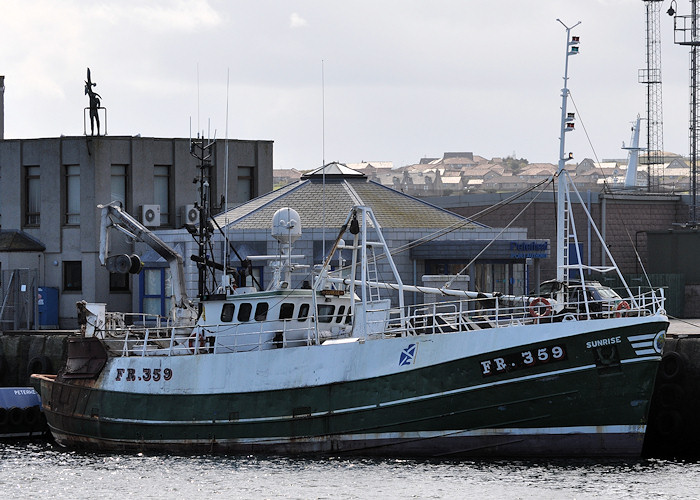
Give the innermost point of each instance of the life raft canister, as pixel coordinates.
(537, 305)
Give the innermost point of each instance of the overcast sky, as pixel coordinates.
(403, 79)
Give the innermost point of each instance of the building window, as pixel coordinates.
(72, 194)
(118, 183)
(155, 287)
(245, 190)
(161, 192)
(118, 282)
(72, 276)
(32, 196)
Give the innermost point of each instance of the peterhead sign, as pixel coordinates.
(529, 249)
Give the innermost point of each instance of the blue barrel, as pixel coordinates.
(47, 302)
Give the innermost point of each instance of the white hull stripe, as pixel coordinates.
(590, 430)
(639, 338)
(370, 407)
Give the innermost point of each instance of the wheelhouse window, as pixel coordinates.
(32, 196)
(339, 317)
(227, 312)
(73, 194)
(287, 310)
(303, 312)
(244, 312)
(261, 311)
(72, 276)
(325, 313)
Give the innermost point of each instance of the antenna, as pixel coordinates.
(198, 99)
(323, 161)
(225, 207)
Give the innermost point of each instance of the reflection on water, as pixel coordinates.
(32, 470)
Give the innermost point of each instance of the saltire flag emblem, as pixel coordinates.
(408, 355)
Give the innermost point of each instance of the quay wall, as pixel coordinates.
(24, 353)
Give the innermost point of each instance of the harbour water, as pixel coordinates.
(43, 470)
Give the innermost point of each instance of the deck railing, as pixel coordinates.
(143, 335)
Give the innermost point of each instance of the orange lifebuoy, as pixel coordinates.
(622, 305)
(194, 349)
(539, 303)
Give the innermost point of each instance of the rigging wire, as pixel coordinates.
(447, 285)
(590, 143)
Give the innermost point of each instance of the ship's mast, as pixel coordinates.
(567, 124)
(201, 149)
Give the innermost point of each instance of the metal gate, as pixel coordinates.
(18, 290)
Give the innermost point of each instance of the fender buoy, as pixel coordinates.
(619, 309)
(672, 366)
(3, 416)
(537, 305)
(38, 364)
(202, 343)
(15, 416)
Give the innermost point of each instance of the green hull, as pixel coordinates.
(591, 401)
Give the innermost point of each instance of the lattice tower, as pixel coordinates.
(651, 77)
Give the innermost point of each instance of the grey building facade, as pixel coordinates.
(50, 189)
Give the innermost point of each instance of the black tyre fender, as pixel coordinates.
(672, 366)
(32, 416)
(4, 416)
(15, 416)
(38, 364)
(669, 423)
(671, 396)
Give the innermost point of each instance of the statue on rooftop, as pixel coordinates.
(94, 104)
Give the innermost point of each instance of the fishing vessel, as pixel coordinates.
(346, 365)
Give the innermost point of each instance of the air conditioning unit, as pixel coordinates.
(190, 215)
(150, 215)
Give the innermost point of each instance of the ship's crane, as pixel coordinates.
(113, 217)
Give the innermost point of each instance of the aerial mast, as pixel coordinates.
(201, 149)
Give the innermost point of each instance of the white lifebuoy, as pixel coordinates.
(539, 303)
